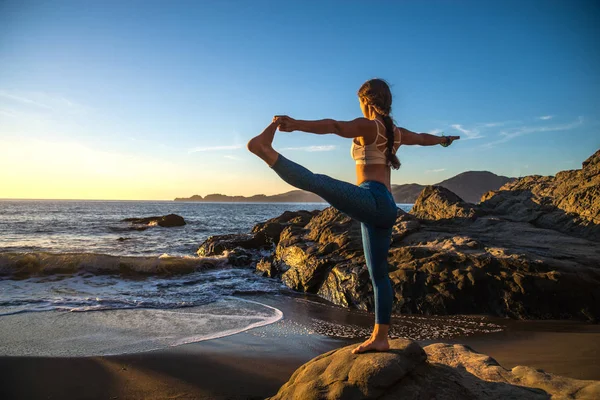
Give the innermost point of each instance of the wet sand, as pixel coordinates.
(253, 364)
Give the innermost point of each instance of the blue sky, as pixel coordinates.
(153, 100)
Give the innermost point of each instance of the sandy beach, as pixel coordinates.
(253, 364)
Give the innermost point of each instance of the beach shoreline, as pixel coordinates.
(253, 364)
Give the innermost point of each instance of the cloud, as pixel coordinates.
(470, 133)
(435, 131)
(492, 124)
(214, 148)
(46, 101)
(525, 130)
(232, 157)
(435, 170)
(545, 117)
(312, 148)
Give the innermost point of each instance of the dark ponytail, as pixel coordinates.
(377, 94)
(389, 131)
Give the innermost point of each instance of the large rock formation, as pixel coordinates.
(568, 202)
(452, 257)
(438, 371)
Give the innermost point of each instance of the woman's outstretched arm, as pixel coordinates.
(347, 129)
(424, 139)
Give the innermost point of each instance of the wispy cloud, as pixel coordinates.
(232, 157)
(470, 133)
(545, 117)
(492, 124)
(214, 148)
(312, 148)
(525, 130)
(435, 170)
(435, 131)
(46, 101)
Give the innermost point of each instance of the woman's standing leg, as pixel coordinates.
(376, 243)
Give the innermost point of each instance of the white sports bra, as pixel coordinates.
(370, 153)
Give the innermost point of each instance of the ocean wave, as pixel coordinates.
(43, 263)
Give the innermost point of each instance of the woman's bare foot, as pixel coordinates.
(378, 344)
(261, 145)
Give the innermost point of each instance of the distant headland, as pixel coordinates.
(470, 186)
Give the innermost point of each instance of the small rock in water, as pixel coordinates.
(165, 221)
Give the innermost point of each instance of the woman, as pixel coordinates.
(375, 141)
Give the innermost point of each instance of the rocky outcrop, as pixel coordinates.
(568, 202)
(243, 249)
(448, 256)
(439, 203)
(438, 371)
(164, 221)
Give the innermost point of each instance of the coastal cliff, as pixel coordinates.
(529, 251)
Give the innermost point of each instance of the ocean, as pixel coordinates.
(172, 309)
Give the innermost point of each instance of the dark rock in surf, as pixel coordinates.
(263, 237)
(165, 221)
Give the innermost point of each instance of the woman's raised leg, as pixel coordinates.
(359, 203)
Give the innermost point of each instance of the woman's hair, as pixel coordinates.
(376, 93)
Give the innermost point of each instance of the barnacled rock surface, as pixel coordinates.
(438, 371)
(504, 257)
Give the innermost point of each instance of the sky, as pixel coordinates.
(156, 100)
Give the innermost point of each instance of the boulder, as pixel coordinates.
(438, 203)
(245, 249)
(164, 221)
(438, 371)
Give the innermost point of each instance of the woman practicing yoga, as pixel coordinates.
(375, 141)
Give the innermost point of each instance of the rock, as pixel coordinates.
(164, 221)
(265, 268)
(568, 202)
(217, 245)
(339, 374)
(440, 371)
(438, 203)
(272, 228)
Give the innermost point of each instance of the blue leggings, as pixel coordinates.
(370, 203)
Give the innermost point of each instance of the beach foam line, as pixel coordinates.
(278, 315)
(113, 332)
(43, 263)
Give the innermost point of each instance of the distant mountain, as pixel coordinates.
(294, 196)
(470, 186)
(407, 193)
